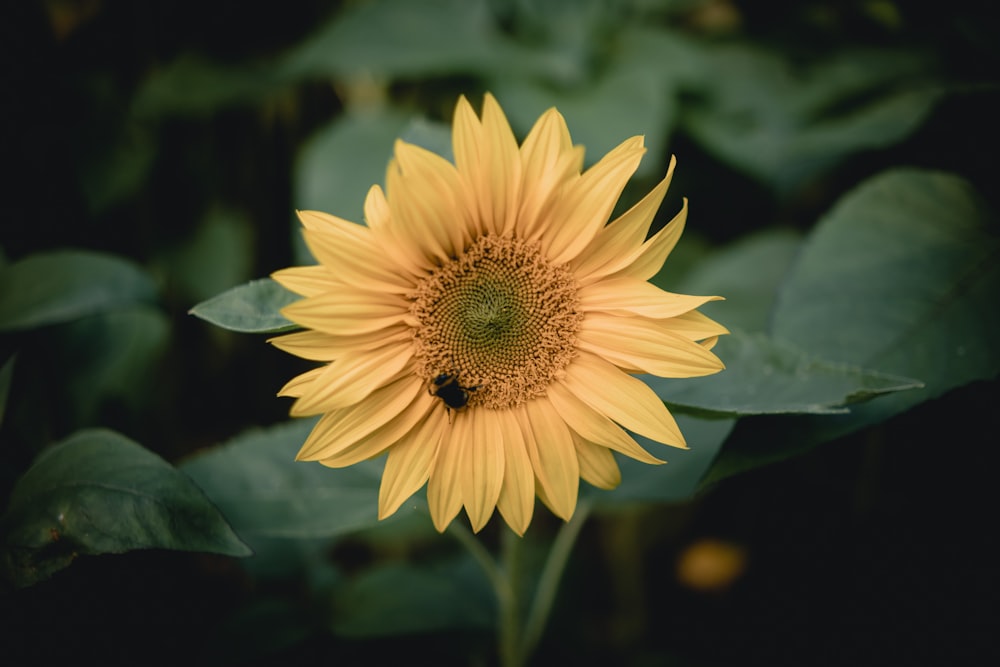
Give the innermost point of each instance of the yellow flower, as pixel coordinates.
(485, 326)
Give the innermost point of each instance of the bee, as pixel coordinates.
(446, 387)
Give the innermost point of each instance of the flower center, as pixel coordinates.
(499, 318)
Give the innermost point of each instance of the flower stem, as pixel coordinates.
(511, 654)
(548, 582)
(515, 642)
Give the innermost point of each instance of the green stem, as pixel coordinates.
(511, 654)
(548, 582)
(516, 643)
(508, 636)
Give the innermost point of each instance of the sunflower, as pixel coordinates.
(485, 326)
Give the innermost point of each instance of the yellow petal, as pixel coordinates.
(482, 466)
(627, 295)
(444, 494)
(597, 464)
(357, 262)
(342, 428)
(594, 426)
(622, 398)
(503, 176)
(348, 311)
(331, 224)
(426, 203)
(649, 260)
(639, 343)
(378, 215)
(620, 242)
(586, 204)
(553, 456)
(320, 346)
(489, 163)
(471, 153)
(353, 377)
(409, 463)
(307, 280)
(300, 384)
(547, 161)
(384, 436)
(695, 326)
(516, 501)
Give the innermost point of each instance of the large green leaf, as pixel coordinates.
(764, 376)
(747, 273)
(98, 492)
(397, 599)
(901, 276)
(676, 481)
(218, 255)
(251, 308)
(111, 355)
(785, 124)
(400, 38)
(195, 86)
(63, 285)
(342, 161)
(266, 493)
(633, 95)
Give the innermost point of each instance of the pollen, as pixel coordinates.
(499, 317)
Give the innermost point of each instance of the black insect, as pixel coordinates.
(446, 387)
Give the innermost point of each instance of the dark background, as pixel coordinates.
(875, 549)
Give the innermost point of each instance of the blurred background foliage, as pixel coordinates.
(840, 167)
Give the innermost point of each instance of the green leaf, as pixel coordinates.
(674, 482)
(266, 493)
(342, 161)
(786, 124)
(98, 492)
(251, 308)
(194, 86)
(400, 38)
(903, 276)
(397, 599)
(633, 95)
(764, 376)
(118, 162)
(109, 355)
(747, 273)
(63, 285)
(218, 255)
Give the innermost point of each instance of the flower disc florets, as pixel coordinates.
(500, 318)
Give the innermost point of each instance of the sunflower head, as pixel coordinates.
(485, 325)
